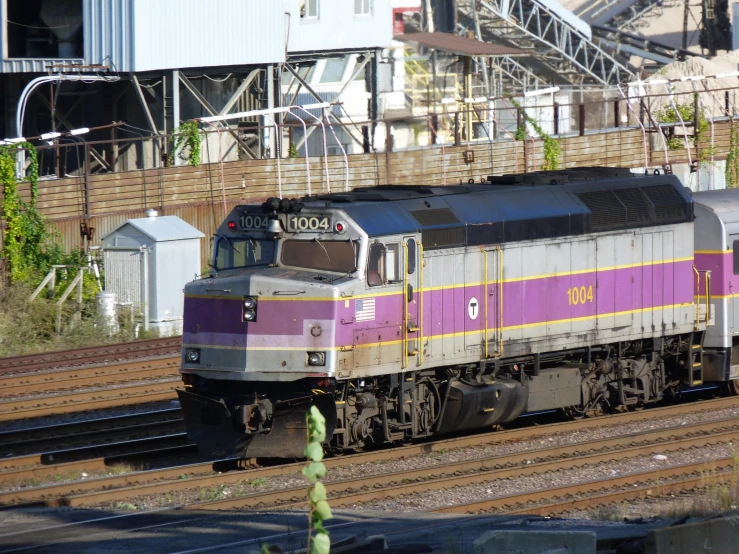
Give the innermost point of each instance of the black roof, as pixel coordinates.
(512, 208)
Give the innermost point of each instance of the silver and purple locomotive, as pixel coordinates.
(403, 312)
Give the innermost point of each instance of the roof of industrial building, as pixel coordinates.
(460, 45)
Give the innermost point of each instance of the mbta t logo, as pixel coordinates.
(473, 308)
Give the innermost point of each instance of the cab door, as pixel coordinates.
(412, 303)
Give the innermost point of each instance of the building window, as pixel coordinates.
(333, 70)
(309, 9)
(362, 7)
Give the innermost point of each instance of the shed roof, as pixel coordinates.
(459, 45)
(162, 228)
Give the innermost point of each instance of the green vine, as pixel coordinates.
(26, 237)
(292, 151)
(318, 539)
(186, 140)
(732, 159)
(686, 112)
(552, 150)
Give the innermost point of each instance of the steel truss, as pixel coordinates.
(532, 23)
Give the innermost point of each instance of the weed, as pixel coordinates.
(213, 493)
(119, 469)
(124, 506)
(258, 482)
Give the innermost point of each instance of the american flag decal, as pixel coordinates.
(364, 309)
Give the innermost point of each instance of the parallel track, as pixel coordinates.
(90, 355)
(91, 433)
(34, 383)
(88, 400)
(162, 481)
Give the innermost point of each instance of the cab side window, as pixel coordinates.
(376, 265)
(392, 263)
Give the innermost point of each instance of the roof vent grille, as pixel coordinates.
(438, 216)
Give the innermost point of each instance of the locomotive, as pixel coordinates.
(404, 312)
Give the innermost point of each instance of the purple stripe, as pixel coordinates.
(721, 266)
(535, 301)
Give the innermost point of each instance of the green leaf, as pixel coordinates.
(314, 471)
(314, 451)
(321, 544)
(318, 493)
(322, 510)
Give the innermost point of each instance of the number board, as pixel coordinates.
(308, 223)
(253, 221)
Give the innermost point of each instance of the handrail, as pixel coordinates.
(486, 283)
(708, 296)
(485, 299)
(420, 304)
(500, 298)
(404, 359)
(697, 294)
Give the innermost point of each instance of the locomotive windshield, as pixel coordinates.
(333, 255)
(233, 253)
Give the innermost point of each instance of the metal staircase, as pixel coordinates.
(555, 37)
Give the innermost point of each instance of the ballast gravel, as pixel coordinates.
(252, 485)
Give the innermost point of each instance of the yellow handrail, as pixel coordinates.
(485, 299)
(404, 363)
(500, 298)
(697, 293)
(708, 297)
(420, 307)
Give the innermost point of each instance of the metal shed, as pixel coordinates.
(147, 263)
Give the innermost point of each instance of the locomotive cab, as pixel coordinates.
(262, 334)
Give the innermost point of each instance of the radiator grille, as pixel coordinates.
(635, 207)
(439, 216)
(443, 238)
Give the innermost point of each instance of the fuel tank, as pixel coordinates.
(473, 406)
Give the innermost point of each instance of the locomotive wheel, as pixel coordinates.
(733, 387)
(428, 406)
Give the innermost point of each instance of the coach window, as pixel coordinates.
(376, 265)
(735, 247)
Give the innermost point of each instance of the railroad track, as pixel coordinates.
(138, 393)
(34, 383)
(90, 355)
(90, 432)
(352, 491)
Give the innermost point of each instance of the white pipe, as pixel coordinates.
(343, 153)
(305, 145)
(325, 148)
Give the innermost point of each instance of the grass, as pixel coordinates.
(30, 327)
(120, 469)
(212, 493)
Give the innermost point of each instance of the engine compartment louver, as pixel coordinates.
(635, 207)
(438, 216)
(443, 238)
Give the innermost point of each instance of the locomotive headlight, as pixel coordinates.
(250, 308)
(192, 355)
(316, 358)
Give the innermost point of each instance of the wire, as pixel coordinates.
(36, 27)
(226, 78)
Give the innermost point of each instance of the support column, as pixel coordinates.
(374, 108)
(273, 140)
(467, 94)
